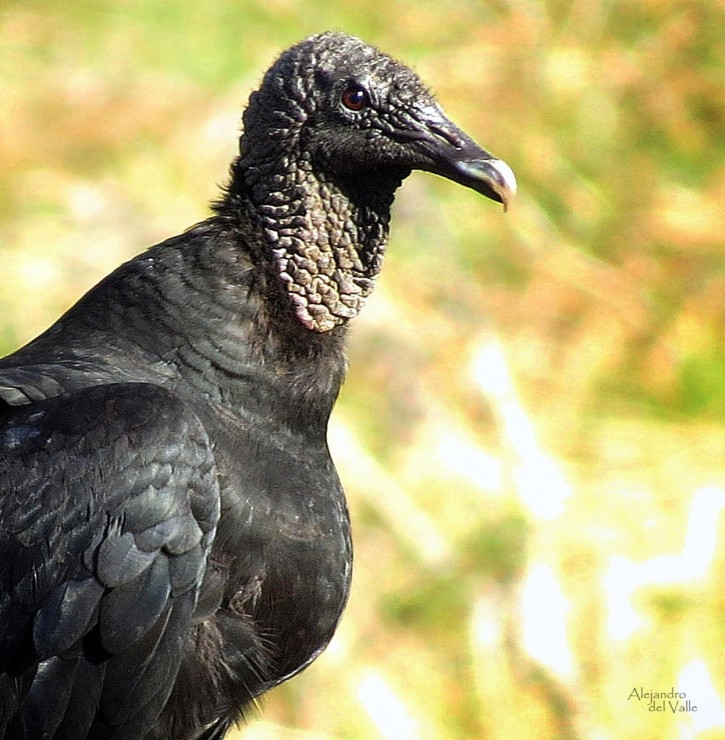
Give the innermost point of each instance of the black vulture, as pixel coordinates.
(174, 539)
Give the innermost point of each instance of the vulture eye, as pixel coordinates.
(355, 97)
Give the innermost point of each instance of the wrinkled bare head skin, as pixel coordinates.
(334, 129)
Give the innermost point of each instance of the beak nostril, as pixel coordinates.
(449, 136)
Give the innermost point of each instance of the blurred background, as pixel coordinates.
(532, 434)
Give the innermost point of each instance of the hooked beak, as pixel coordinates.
(489, 176)
(449, 152)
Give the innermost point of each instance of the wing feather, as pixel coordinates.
(108, 506)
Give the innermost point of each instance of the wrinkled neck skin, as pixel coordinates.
(326, 234)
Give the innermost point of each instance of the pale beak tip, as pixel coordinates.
(506, 185)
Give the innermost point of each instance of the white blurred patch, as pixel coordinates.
(624, 576)
(409, 521)
(486, 625)
(86, 201)
(539, 481)
(468, 460)
(544, 611)
(387, 711)
(694, 681)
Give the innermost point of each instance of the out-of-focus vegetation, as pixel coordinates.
(532, 435)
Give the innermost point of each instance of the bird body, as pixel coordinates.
(174, 538)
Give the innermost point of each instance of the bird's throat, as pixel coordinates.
(327, 244)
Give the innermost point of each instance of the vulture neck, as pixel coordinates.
(325, 235)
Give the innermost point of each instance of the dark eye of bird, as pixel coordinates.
(355, 97)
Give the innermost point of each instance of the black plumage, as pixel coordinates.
(174, 539)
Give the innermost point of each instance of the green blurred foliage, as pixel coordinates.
(603, 289)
